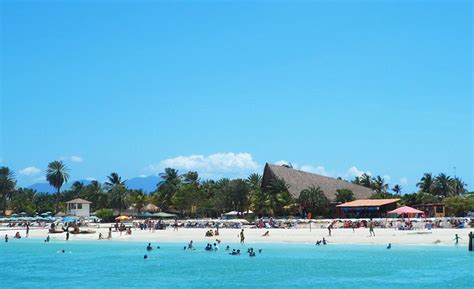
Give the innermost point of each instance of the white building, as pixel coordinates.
(78, 207)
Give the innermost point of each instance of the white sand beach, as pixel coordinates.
(339, 236)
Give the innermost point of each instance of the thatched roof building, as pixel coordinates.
(299, 180)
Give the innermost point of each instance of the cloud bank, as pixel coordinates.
(29, 171)
(214, 165)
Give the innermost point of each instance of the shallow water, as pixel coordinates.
(107, 264)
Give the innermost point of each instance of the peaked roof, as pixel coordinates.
(78, 201)
(299, 180)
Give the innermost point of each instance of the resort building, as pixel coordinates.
(78, 208)
(366, 208)
(299, 181)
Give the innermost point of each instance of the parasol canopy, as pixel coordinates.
(405, 210)
(122, 218)
(164, 215)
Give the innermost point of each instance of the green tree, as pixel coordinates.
(57, 174)
(344, 195)
(442, 185)
(366, 181)
(397, 189)
(107, 215)
(379, 186)
(7, 185)
(23, 201)
(168, 187)
(426, 183)
(458, 206)
(118, 192)
(458, 186)
(314, 200)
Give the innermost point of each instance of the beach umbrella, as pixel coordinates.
(164, 215)
(146, 215)
(69, 219)
(122, 218)
(405, 210)
(46, 214)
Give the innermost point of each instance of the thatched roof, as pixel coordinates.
(299, 180)
(150, 208)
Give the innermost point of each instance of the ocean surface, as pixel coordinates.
(108, 264)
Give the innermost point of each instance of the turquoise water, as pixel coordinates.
(108, 264)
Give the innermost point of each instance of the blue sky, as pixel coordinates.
(222, 87)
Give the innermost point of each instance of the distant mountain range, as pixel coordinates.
(147, 184)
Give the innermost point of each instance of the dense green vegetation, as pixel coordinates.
(189, 196)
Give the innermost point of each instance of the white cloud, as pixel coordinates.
(74, 159)
(214, 165)
(91, 179)
(320, 170)
(403, 181)
(387, 178)
(30, 171)
(355, 172)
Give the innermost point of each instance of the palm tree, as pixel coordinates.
(366, 180)
(442, 185)
(458, 186)
(254, 181)
(168, 187)
(380, 186)
(356, 181)
(397, 189)
(57, 174)
(7, 185)
(426, 183)
(117, 190)
(314, 199)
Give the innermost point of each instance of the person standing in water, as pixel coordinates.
(6, 238)
(242, 237)
(456, 238)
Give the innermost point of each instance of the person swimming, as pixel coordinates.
(389, 245)
(318, 242)
(324, 241)
(227, 248)
(190, 245)
(145, 257)
(233, 252)
(260, 251)
(216, 248)
(158, 247)
(149, 247)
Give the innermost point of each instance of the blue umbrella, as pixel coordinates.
(69, 219)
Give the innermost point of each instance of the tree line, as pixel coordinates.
(189, 196)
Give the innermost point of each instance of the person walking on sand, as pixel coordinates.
(67, 236)
(27, 229)
(371, 228)
(242, 237)
(329, 229)
(456, 238)
(175, 225)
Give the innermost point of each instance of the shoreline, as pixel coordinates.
(253, 236)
